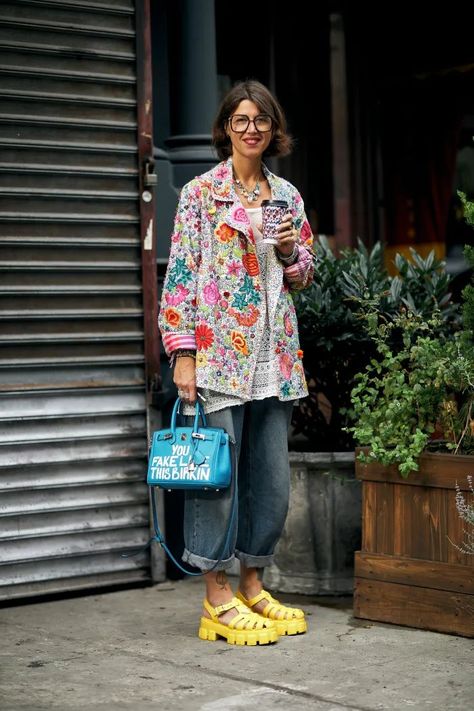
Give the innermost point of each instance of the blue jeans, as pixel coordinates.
(260, 430)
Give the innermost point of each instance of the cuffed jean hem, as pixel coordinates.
(254, 561)
(205, 564)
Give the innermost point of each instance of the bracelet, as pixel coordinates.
(184, 353)
(180, 353)
(291, 259)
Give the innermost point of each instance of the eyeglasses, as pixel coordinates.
(239, 123)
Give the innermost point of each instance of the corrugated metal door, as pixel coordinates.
(72, 408)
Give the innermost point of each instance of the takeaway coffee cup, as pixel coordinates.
(272, 213)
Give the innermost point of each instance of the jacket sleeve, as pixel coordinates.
(176, 318)
(299, 275)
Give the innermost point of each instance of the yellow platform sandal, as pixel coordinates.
(246, 627)
(288, 620)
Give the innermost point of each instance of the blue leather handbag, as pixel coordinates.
(197, 457)
(190, 457)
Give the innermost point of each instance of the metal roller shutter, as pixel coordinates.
(72, 405)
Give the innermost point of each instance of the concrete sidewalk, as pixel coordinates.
(138, 649)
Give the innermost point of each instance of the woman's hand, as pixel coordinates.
(184, 377)
(287, 236)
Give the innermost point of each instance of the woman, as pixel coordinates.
(229, 325)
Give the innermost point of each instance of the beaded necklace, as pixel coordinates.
(251, 195)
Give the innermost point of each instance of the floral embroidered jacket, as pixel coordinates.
(213, 298)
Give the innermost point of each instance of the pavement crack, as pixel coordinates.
(346, 634)
(266, 685)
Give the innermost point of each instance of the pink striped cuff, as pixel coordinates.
(301, 271)
(173, 341)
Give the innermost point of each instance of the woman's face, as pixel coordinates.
(252, 142)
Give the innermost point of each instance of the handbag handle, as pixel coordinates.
(199, 413)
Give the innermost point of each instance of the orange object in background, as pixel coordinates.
(423, 248)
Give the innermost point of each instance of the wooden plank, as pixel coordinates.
(411, 571)
(409, 605)
(438, 470)
(384, 513)
(448, 467)
(418, 546)
(438, 525)
(369, 518)
(406, 526)
(397, 517)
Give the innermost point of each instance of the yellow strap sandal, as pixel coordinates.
(245, 628)
(288, 620)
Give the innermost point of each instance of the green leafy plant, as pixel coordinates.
(468, 207)
(418, 392)
(335, 343)
(410, 395)
(422, 286)
(468, 292)
(468, 295)
(464, 508)
(334, 336)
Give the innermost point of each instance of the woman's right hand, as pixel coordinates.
(184, 377)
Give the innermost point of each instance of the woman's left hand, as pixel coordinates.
(287, 236)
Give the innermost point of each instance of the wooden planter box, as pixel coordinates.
(408, 572)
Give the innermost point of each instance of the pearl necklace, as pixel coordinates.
(251, 195)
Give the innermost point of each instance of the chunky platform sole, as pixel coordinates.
(211, 630)
(290, 627)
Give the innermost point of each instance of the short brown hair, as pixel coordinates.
(281, 142)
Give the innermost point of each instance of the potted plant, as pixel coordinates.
(323, 528)
(413, 409)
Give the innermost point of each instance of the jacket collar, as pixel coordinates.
(223, 182)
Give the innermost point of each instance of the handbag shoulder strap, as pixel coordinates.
(227, 536)
(158, 536)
